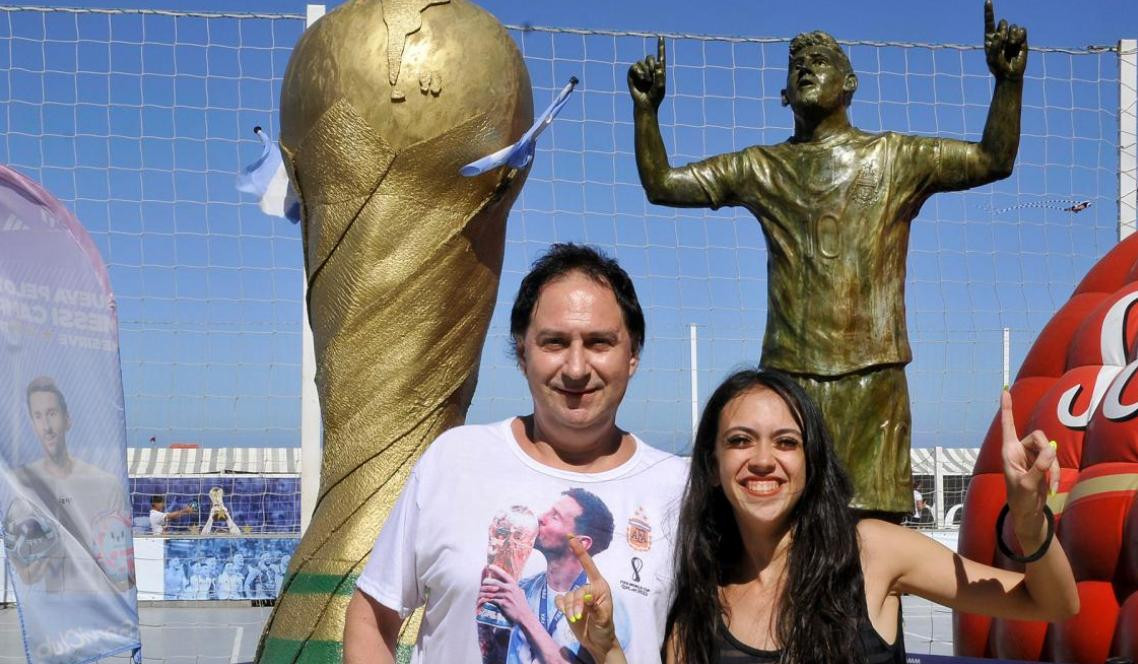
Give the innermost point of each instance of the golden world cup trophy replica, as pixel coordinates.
(382, 104)
(512, 534)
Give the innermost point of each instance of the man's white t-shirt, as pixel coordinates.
(434, 546)
(157, 521)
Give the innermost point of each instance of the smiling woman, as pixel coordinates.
(772, 565)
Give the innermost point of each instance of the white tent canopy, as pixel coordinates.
(953, 460)
(171, 462)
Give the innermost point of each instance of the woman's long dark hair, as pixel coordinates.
(823, 600)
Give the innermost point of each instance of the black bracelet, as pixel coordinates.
(1006, 550)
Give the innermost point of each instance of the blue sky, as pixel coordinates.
(1050, 22)
(142, 141)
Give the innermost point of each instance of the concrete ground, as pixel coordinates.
(173, 633)
(227, 632)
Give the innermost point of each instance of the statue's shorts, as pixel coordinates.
(868, 416)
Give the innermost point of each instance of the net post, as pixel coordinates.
(694, 351)
(1127, 136)
(938, 492)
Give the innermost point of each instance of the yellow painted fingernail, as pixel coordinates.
(588, 597)
(1054, 445)
(578, 617)
(571, 618)
(1005, 387)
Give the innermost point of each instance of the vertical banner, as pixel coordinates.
(64, 510)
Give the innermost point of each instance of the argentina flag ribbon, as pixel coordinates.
(520, 154)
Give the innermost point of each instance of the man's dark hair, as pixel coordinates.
(154, 500)
(46, 384)
(562, 260)
(595, 521)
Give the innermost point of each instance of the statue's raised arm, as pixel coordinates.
(647, 82)
(1005, 47)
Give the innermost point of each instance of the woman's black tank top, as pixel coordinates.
(874, 648)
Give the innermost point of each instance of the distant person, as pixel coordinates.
(281, 571)
(922, 515)
(226, 521)
(81, 509)
(160, 519)
(202, 579)
(238, 560)
(230, 585)
(176, 579)
(260, 582)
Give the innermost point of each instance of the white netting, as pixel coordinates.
(139, 120)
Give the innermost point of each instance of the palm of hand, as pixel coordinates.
(1030, 464)
(1025, 491)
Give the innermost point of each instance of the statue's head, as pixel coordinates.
(819, 77)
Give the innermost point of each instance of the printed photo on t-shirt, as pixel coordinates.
(516, 616)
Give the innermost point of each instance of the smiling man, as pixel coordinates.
(835, 204)
(577, 331)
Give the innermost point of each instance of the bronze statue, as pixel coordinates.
(835, 204)
(381, 105)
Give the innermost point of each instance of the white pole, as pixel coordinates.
(313, 14)
(1127, 136)
(1007, 356)
(938, 491)
(694, 352)
(310, 443)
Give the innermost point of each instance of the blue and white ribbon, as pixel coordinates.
(266, 178)
(520, 154)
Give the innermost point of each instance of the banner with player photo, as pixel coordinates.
(64, 507)
(233, 568)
